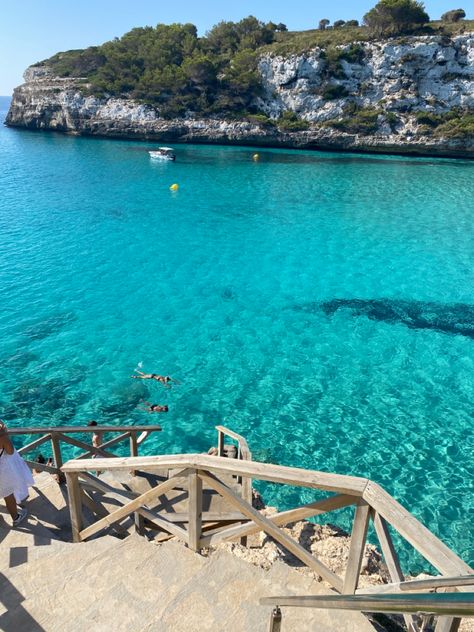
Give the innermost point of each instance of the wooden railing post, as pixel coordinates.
(133, 448)
(133, 443)
(57, 456)
(195, 511)
(220, 443)
(75, 505)
(357, 548)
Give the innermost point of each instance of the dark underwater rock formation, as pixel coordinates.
(450, 318)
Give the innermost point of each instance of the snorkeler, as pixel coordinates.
(164, 379)
(155, 408)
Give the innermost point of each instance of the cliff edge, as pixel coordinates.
(412, 95)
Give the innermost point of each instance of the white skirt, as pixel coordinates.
(15, 476)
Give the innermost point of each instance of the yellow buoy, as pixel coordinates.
(174, 187)
(256, 157)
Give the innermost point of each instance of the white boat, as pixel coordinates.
(162, 153)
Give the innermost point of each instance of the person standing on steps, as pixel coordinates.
(15, 478)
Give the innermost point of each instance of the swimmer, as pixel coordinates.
(155, 408)
(164, 379)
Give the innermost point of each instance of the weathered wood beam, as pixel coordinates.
(57, 456)
(280, 519)
(42, 467)
(267, 525)
(123, 496)
(414, 532)
(98, 509)
(81, 444)
(128, 508)
(392, 561)
(195, 510)
(34, 444)
(75, 505)
(297, 477)
(80, 429)
(357, 547)
(106, 444)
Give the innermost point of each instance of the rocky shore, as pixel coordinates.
(395, 81)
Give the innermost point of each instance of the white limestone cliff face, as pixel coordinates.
(426, 73)
(396, 77)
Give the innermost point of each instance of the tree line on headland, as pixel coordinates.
(171, 68)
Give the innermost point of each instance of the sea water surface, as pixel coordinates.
(320, 304)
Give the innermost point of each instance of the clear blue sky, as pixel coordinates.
(32, 30)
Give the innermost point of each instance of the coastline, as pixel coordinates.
(340, 143)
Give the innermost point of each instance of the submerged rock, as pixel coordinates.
(454, 318)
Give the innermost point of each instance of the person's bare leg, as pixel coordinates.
(10, 502)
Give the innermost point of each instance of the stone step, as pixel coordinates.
(28, 541)
(134, 585)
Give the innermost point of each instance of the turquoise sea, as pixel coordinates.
(321, 304)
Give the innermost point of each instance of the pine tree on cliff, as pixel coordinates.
(393, 17)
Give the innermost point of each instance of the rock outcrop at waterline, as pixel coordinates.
(406, 96)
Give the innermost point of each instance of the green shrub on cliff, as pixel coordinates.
(290, 122)
(457, 127)
(171, 68)
(356, 120)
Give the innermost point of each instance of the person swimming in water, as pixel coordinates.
(155, 408)
(164, 379)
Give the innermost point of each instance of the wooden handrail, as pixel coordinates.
(58, 435)
(297, 477)
(243, 448)
(80, 429)
(351, 490)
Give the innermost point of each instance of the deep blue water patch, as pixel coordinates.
(320, 304)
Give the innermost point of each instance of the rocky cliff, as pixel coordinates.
(412, 95)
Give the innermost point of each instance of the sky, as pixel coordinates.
(32, 30)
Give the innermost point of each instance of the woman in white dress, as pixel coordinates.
(15, 477)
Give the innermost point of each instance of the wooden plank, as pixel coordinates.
(129, 508)
(57, 456)
(425, 542)
(357, 547)
(220, 443)
(81, 444)
(34, 444)
(42, 467)
(124, 496)
(280, 519)
(267, 525)
(75, 505)
(388, 548)
(391, 559)
(106, 444)
(195, 510)
(134, 452)
(101, 511)
(297, 477)
(133, 444)
(207, 516)
(80, 429)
